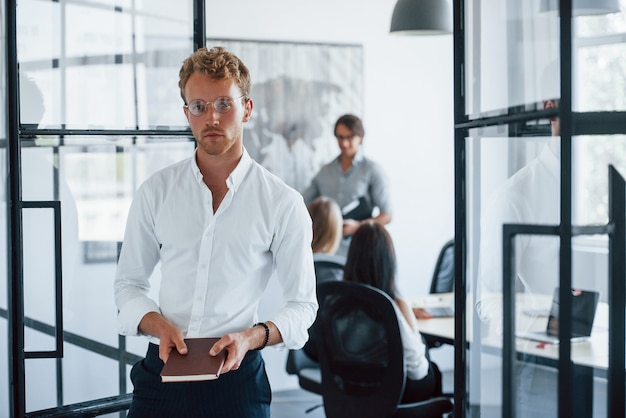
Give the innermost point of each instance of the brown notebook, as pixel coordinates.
(196, 365)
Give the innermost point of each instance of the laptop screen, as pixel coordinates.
(584, 304)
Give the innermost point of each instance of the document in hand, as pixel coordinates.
(196, 365)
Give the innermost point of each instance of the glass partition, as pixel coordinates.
(102, 66)
(512, 200)
(511, 49)
(513, 54)
(94, 179)
(512, 182)
(515, 181)
(95, 66)
(599, 51)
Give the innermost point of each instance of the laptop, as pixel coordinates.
(584, 304)
(439, 311)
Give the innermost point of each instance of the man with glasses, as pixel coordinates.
(220, 225)
(358, 184)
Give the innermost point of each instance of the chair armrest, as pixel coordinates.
(298, 360)
(311, 379)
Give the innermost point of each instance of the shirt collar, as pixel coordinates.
(549, 160)
(358, 158)
(239, 173)
(236, 176)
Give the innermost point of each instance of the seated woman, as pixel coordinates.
(371, 260)
(327, 233)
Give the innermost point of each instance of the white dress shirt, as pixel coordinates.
(530, 196)
(216, 266)
(413, 347)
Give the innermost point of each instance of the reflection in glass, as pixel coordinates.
(105, 68)
(592, 156)
(517, 43)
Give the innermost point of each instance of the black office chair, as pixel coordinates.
(328, 267)
(443, 275)
(361, 355)
(443, 280)
(306, 369)
(303, 362)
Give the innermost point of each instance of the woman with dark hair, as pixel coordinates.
(372, 261)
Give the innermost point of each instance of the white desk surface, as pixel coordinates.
(593, 352)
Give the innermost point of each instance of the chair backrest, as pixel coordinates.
(360, 351)
(328, 267)
(443, 276)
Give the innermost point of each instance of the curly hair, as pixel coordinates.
(217, 63)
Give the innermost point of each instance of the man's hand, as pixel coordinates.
(350, 226)
(237, 344)
(170, 337)
(421, 313)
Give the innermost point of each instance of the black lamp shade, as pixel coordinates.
(422, 17)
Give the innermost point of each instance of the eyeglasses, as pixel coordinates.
(222, 105)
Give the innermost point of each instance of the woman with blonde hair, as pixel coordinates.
(327, 234)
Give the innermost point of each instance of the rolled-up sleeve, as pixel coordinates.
(138, 257)
(293, 258)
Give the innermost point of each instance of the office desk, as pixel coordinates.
(590, 357)
(593, 352)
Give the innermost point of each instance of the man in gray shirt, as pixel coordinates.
(358, 184)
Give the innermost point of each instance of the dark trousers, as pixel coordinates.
(426, 388)
(243, 393)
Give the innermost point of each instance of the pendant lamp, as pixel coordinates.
(422, 17)
(583, 7)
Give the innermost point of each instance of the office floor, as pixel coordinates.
(294, 403)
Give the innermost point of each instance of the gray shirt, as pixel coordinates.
(365, 179)
(365, 184)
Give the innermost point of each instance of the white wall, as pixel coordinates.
(412, 138)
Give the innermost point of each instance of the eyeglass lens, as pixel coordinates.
(221, 105)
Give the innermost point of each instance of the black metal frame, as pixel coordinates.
(15, 268)
(590, 123)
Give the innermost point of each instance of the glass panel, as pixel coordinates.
(80, 366)
(599, 52)
(94, 178)
(515, 180)
(40, 375)
(592, 156)
(510, 48)
(101, 178)
(511, 181)
(39, 32)
(103, 67)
